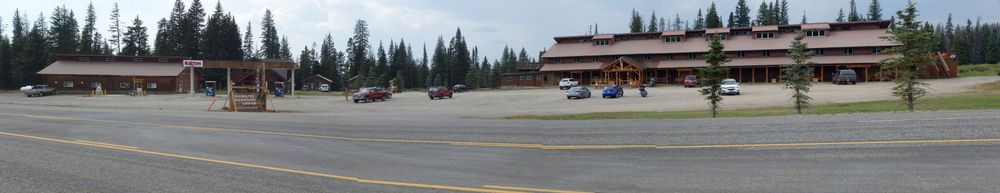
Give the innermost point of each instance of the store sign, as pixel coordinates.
(194, 63)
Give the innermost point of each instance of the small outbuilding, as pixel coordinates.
(313, 82)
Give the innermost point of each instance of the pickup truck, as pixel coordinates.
(38, 90)
(371, 94)
(567, 83)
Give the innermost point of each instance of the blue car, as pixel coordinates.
(613, 91)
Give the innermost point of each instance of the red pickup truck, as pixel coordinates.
(439, 93)
(371, 94)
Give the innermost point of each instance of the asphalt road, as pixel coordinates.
(57, 149)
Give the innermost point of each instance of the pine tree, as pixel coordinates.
(221, 37)
(115, 30)
(270, 43)
(329, 63)
(635, 24)
(949, 35)
(652, 23)
(357, 52)
(763, 14)
(191, 27)
(874, 11)
(249, 51)
(161, 45)
(799, 75)
(677, 22)
(742, 17)
(460, 58)
(712, 19)
(19, 39)
(440, 66)
(286, 50)
(910, 57)
(783, 13)
(711, 76)
(87, 36)
(731, 23)
(5, 59)
(663, 24)
(804, 20)
(424, 72)
(64, 32)
(840, 16)
(174, 30)
(135, 40)
(853, 15)
(699, 21)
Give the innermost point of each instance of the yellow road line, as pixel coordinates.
(530, 189)
(332, 176)
(518, 145)
(107, 144)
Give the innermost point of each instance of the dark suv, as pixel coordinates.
(845, 77)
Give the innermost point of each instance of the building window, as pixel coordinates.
(84, 59)
(668, 57)
(741, 54)
(649, 57)
(876, 50)
(766, 53)
(137, 59)
(848, 51)
(576, 60)
(164, 60)
(150, 85)
(602, 42)
(509, 78)
(673, 39)
(110, 59)
(538, 77)
(692, 56)
(818, 52)
(765, 35)
(95, 84)
(816, 33)
(67, 84)
(124, 85)
(597, 59)
(558, 60)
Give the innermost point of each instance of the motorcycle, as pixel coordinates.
(642, 91)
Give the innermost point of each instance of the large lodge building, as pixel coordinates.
(756, 53)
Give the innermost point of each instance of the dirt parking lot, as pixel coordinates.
(492, 104)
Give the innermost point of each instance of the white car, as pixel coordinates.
(324, 88)
(567, 83)
(730, 87)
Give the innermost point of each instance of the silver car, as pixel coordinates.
(579, 92)
(38, 90)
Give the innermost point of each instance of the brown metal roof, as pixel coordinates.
(69, 67)
(572, 66)
(717, 31)
(674, 33)
(317, 76)
(814, 26)
(604, 36)
(765, 28)
(838, 39)
(772, 61)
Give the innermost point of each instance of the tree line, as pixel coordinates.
(975, 42)
(190, 32)
(768, 13)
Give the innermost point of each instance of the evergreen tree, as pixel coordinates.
(270, 43)
(652, 23)
(174, 29)
(799, 75)
(663, 24)
(87, 36)
(840, 16)
(742, 17)
(64, 32)
(329, 62)
(460, 58)
(357, 49)
(853, 15)
(763, 14)
(440, 66)
(306, 62)
(804, 20)
(710, 78)
(635, 24)
(949, 35)
(115, 30)
(874, 11)
(699, 21)
(5, 60)
(712, 19)
(485, 73)
(249, 51)
(135, 40)
(191, 27)
(910, 57)
(731, 22)
(222, 39)
(35, 51)
(19, 33)
(677, 22)
(783, 13)
(424, 70)
(162, 45)
(286, 50)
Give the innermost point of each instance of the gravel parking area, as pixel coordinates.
(514, 102)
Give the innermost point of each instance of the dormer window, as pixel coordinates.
(672, 39)
(765, 35)
(602, 42)
(816, 33)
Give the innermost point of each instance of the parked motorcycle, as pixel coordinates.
(642, 91)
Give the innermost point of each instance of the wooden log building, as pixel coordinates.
(118, 74)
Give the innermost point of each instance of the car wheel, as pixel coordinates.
(604, 96)
(853, 83)
(432, 98)
(355, 101)
(569, 97)
(737, 93)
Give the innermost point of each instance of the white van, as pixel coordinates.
(324, 88)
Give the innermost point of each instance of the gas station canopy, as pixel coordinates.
(269, 63)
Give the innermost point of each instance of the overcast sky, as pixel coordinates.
(490, 25)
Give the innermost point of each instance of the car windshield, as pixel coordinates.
(729, 82)
(690, 77)
(609, 87)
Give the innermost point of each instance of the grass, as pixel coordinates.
(978, 70)
(987, 96)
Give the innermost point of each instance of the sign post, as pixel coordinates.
(191, 64)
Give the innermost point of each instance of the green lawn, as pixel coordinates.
(978, 70)
(988, 97)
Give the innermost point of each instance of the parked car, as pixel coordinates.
(690, 81)
(324, 88)
(613, 91)
(845, 77)
(730, 87)
(439, 93)
(371, 94)
(460, 88)
(579, 92)
(567, 83)
(38, 90)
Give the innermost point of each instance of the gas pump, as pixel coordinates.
(210, 88)
(279, 88)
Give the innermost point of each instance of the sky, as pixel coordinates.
(487, 24)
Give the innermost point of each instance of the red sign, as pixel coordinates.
(194, 63)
